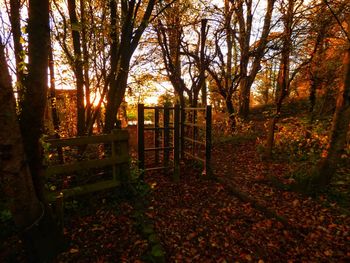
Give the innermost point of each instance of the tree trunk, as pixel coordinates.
(53, 101)
(115, 98)
(202, 65)
(245, 26)
(15, 20)
(85, 63)
(41, 239)
(78, 67)
(283, 76)
(244, 98)
(44, 239)
(326, 168)
(129, 40)
(231, 113)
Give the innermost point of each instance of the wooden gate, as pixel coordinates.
(196, 136)
(177, 133)
(166, 142)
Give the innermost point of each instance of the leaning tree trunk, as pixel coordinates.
(283, 77)
(41, 240)
(326, 168)
(44, 237)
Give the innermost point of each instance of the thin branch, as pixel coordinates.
(338, 21)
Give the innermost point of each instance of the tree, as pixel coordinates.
(283, 79)
(21, 153)
(237, 69)
(15, 21)
(224, 70)
(248, 57)
(326, 168)
(133, 24)
(183, 50)
(169, 36)
(78, 65)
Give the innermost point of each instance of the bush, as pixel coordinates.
(298, 140)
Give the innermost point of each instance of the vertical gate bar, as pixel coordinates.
(208, 145)
(194, 130)
(176, 142)
(182, 133)
(166, 135)
(140, 138)
(156, 134)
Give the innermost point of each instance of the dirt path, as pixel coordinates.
(198, 220)
(201, 221)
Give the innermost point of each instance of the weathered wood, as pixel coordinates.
(207, 168)
(120, 135)
(124, 168)
(157, 149)
(159, 168)
(182, 133)
(158, 107)
(156, 135)
(194, 129)
(84, 189)
(157, 128)
(194, 125)
(140, 137)
(176, 143)
(194, 109)
(194, 141)
(114, 153)
(84, 165)
(166, 136)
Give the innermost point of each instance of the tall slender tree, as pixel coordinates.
(135, 17)
(283, 79)
(78, 65)
(250, 59)
(326, 168)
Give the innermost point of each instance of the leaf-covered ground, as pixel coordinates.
(200, 220)
(242, 217)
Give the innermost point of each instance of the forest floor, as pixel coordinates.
(244, 214)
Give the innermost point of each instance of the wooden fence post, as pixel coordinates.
(194, 130)
(208, 171)
(140, 138)
(166, 136)
(176, 142)
(156, 134)
(120, 148)
(182, 133)
(115, 171)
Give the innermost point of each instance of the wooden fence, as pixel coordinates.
(191, 122)
(183, 120)
(165, 146)
(116, 143)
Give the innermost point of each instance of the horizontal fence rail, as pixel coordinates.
(118, 159)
